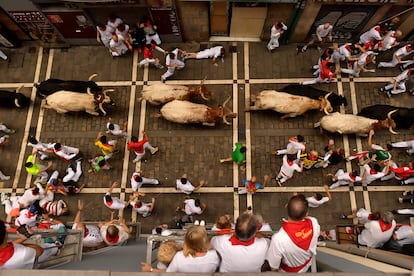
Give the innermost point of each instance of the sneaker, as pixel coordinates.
(401, 68)
(6, 177)
(382, 89)
(388, 93)
(319, 49)
(406, 193)
(402, 182)
(202, 223)
(303, 49)
(163, 80)
(146, 214)
(222, 160)
(400, 200)
(135, 161)
(343, 216)
(4, 197)
(154, 150)
(12, 131)
(196, 222)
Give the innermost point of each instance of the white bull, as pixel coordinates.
(185, 112)
(67, 101)
(288, 104)
(161, 93)
(353, 124)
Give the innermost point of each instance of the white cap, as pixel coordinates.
(166, 232)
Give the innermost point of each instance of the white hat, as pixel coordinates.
(166, 232)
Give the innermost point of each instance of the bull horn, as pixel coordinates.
(226, 101)
(101, 108)
(88, 90)
(327, 95)
(19, 88)
(107, 90)
(16, 103)
(202, 81)
(225, 121)
(390, 113)
(392, 131)
(92, 76)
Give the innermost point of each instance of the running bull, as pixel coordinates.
(13, 98)
(185, 112)
(353, 124)
(67, 101)
(403, 117)
(50, 86)
(314, 93)
(161, 93)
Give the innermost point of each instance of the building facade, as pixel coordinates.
(62, 23)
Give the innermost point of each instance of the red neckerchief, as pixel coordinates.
(384, 226)
(372, 171)
(86, 233)
(112, 240)
(300, 232)
(29, 214)
(312, 157)
(290, 163)
(352, 177)
(348, 47)
(6, 253)
(377, 28)
(369, 216)
(235, 241)
(259, 227)
(109, 203)
(224, 231)
(407, 47)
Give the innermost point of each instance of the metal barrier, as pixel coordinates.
(71, 251)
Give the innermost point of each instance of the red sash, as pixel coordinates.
(6, 253)
(372, 171)
(300, 232)
(384, 226)
(224, 231)
(352, 177)
(235, 241)
(296, 268)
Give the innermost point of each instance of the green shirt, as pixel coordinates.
(237, 156)
(35, 169)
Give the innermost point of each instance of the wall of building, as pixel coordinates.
(194, 20)
(305, 22)
(275, 13)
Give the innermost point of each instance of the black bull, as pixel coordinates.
(314, 93)
(403, 117)
(50, 86)
(13, 99)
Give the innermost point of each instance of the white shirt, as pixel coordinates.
(144, 209)
(404, 234)
(402, 76)
(371, 177)
(294, 146)
(314, 203)
(28, 198)
(373, 33)
(282, 249)
(123, 236)
(204, 264)
(239, 258)
(118, 45)
(346, 178)
(322, 31)
(123, 33)
(214, 52)
(372, 236)
(187, 188)
(23, 258)
(135, 184)
(105, 35)
(114, 24)
(389, 40)
(265, 227)
(402, 52)
(93, 236)
(26, 217)
(117, 203)
(66, 152)
(116, 131)
(41, 146)
(190, 207)
(363, 215)
(288, 170)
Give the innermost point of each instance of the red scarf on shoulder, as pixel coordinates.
(6, 253)
(384, 226)
(300, 232)
(235, 241)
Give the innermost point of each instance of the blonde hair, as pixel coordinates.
(223, 222)
(166, 252)
(196, 240)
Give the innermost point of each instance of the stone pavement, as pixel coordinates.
(194, 149)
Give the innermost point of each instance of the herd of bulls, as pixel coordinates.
(69, 96)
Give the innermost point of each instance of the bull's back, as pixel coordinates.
(345, 123)
(69, 100)
(184, 112)
(162, 93)
(282, 102)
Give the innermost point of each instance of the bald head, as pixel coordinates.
(246, 227)
(297, 207)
